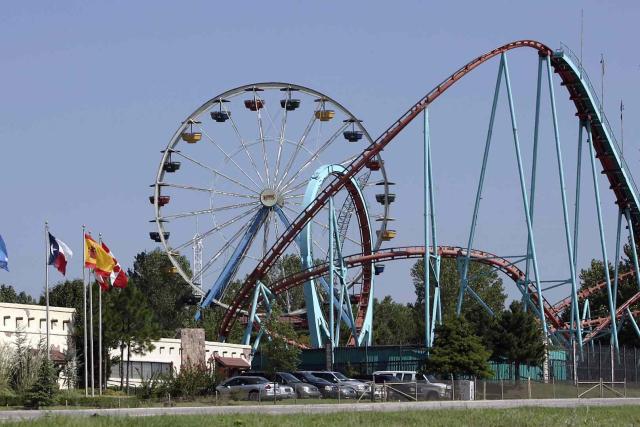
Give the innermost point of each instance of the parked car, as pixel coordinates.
(339, 378)
(301, 389)
(327, 389)
(252, 388)
(427, 386)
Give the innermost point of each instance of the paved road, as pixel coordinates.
(321, 408)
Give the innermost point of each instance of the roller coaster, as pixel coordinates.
(285, 207)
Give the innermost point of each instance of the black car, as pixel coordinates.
(327, 388)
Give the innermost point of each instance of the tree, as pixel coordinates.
(482, 278)
(393, 323)
(129, 324)
(9, 294)
(44, 388)
(277, 348)
(518, 338)
(169, 297)
(457, 351)
(599, 301)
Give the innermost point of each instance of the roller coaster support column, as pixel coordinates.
(267, 297)
(523, 190)
(605, 261)
(534, 164)
(616, 262)
(429, 258)
(331, 279)
(576, 217)
(633, 322)
(565, 212)
(634, 250)
(474, 220)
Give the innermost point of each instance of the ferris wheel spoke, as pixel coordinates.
(229, 157)
(218, 227)
(296, 187)
(261, 136)
(317, 154)
(226, 246)
(283, 128)
(266, 227)
(218, 173)
(207, 211)
(206, 190)
(244, 147)
(299, 145)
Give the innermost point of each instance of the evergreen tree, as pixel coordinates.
(393, 323)
(43, 390)
(9, 294)
(518, 338)
(457, 351)
(129, 325)
(485, 282)
(277, 349)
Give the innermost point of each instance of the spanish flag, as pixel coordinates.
(96, 257)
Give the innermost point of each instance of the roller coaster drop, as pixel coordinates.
(333, 219)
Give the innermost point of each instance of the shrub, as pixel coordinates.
(43, 390)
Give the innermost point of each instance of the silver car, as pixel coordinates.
(252, 388)
(340, 379)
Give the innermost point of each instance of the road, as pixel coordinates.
(320, 408)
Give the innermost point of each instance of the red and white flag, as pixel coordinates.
(118, 278)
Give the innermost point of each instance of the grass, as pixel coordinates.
(587, 416)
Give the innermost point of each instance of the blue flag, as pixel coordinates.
(4, 256)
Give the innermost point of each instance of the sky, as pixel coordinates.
(92, 91)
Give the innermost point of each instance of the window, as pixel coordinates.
(161, 350)
(54, 323)
(5, 320)
(43, 324)
(19, 322)
(171, 350)
(30, 322)
(65, 325)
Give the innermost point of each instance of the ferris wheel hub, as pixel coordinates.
(270, 197)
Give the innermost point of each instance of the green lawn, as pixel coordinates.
(594, 416)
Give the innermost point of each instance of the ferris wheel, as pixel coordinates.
(237, 172)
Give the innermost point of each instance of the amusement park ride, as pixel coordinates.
(284, 182)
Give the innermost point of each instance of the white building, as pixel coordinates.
(167, 356)
(31, 320)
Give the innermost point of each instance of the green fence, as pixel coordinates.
(363, 361)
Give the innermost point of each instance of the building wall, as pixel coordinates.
(32, 321)
(166, 355)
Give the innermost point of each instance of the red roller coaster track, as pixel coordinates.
(585, 109)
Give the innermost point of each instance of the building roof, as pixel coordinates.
(233, 362)
(36, 307)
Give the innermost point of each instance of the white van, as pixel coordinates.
(428, 385)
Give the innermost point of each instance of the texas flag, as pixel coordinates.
(59, 254)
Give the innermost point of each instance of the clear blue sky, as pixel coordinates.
(92, 91)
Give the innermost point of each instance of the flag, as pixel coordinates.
(96, 258)
(4, 255)
(59, 254)
(117, 278)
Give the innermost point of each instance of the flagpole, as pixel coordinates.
(100, 333)
(91, 357)
(46, 281)
(84, 314)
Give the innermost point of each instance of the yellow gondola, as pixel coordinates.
(325, 115)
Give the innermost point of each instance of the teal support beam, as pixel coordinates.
(603, 246)
(565, 212)
(523, 190)
(331, 278)
(534, 169)
(634, 250)
(474, 219)
(427, 253)
(616, 262)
